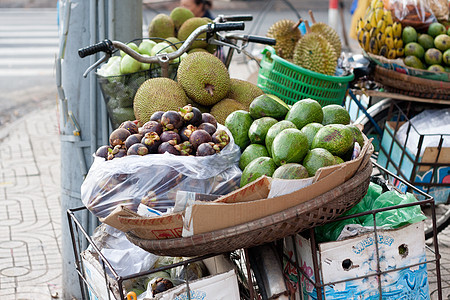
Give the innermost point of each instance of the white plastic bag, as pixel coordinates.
(125, 257)
(430, 123)
(154, 179)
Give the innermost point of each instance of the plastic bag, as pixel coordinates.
(398, 217)
(125, 257)
(374, 199)
(415, 13)
(430, 123)
(440, 8)
(155, 179)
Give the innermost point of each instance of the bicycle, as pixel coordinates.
(382, 107)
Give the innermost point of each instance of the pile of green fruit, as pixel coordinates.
(318, 50)
(427, 50)
(291, 142)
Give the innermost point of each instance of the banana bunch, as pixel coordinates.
(378, 33)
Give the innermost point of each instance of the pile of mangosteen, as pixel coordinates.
(187, 131)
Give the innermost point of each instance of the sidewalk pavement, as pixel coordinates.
(30, 211)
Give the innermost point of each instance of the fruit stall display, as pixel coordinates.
(417, 35)
(203, 132)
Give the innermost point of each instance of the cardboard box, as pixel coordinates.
(95, 276)
(222, 286)
(404, 160)
(340, 262)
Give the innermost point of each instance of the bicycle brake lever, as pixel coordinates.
(96, 64)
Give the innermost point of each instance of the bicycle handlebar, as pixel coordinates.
(261, 40)
(108, 46)
(233, 18)
(105, 46)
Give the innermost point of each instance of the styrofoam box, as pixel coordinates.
(355, 257)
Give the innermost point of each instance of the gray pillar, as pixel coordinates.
(83, 121)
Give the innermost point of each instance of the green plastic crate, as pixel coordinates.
(292, 83)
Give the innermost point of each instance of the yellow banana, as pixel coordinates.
(398, 43)
(397, 30)
(360, 34)
(381, 38)
(379, 13)
(388, 30)
(400, 52)
(373, 46)
(389, 41)
(373, 3)
(381, 25)
(361, 23)
(368, 26)
(373, 20)
(365, 41)
(373, 32)
(383, 51)
(388, 17)
(379, 4)
(391, 54)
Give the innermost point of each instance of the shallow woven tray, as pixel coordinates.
(412, 86)
(316, 211)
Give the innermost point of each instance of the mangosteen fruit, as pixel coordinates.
(137, 149)
(152, 126)
(191, 115)
(209, 118)
(171, 120)
(130, 126)
(184, 148)
(186, 132)
(170, 135)
(152, 141)
(205, 149)
(198, 137)
(208, 127)
(117, 151)
(156, 116)
(168, 147)
(118, 136)
(103, 151)
(160, 285)
(221, 138)
(133, 139)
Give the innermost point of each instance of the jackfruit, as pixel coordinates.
(161, 26)
(286, 34)
(328, 33)
(188, 27)
(179, 15)
(243, 91)
(204, 78)
(157, 94)
(224, 107)
(315, 53)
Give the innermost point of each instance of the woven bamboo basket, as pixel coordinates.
(314, 212)
(401, 83)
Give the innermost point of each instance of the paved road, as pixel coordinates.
(28, 44)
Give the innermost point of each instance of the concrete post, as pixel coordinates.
(83, 123)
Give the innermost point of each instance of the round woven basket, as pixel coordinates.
(316, 211)
(401, 83)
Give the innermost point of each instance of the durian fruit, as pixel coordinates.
(327, 32)
(286, 34)
(224, 107)
(315, 53)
